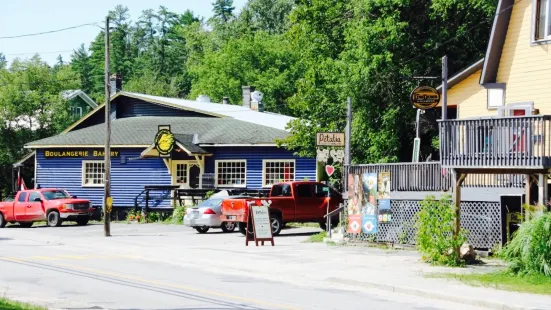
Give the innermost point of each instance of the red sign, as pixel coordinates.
(355, 224)
(330, 170)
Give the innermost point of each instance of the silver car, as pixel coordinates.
(206, 215)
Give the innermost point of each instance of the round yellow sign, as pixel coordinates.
(164, 142)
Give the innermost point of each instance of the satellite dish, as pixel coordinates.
(257, 96)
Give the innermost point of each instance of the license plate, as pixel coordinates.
(196, 214)
(231, 217)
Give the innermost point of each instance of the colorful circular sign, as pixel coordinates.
(425, 97)
(164, 142)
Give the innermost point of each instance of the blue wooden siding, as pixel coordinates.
(127, 180)
(305, 167)
(130, 107)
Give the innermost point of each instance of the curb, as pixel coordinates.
(432, 295)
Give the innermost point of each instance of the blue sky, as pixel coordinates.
(32, 16)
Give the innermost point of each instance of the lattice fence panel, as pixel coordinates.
(481, 219)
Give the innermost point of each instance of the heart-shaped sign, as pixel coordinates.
(330, 170)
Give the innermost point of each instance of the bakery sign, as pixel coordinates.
(425, 97)
(330, 139)
(75, 153)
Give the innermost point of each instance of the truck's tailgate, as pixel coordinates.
(235, 210)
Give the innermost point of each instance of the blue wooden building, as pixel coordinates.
(233, 143)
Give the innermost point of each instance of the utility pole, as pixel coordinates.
(445, 87)
(347, 141)
(107, 201)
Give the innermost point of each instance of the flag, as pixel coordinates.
(20, 182)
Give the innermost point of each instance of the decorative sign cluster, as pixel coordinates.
(330, 139)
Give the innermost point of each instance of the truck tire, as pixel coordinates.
(2, 221)
(243, 228)
(277, 225)
(53, 219)
(228, 227)
(26, 224)
(323, 225)
(82, 221)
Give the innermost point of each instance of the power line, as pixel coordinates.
(32, 53)
(461, 34)
(47, 32)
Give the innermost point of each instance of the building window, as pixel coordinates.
(275, 171)
(542, 27)
(496, 97)
(231, 173)
(76, 112)
(181, 173)
(93, 173)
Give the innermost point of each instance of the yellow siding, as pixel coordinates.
(524, 68)
(470, 97)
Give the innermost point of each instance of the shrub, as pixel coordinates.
(178, 215)
(435, 225)
(529, 252)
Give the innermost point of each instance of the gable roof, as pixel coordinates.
(497, 40)
(190, 131)
(70, 94)
(273, 120)
(462, 75)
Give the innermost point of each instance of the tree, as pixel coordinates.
(81, 64)
(223, 9)
(3, 61)
(268, 15)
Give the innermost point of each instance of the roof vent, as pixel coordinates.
(203, 98)
(226, 100)
(195, 139)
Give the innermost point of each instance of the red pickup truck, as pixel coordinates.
(49, 204)
(301, 202)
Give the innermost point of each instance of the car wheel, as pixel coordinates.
(82, 221)
(228, 227)
(323, 225)
(26, 224)
(2, 221)
(277, 224)
(202, 230)
(53, 219)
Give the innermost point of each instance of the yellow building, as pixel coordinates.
(503, 101)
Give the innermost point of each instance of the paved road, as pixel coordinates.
(76, 268)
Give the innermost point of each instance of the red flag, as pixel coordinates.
(20, 182)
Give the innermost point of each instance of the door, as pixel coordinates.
(194, 173)
(307, 204)
(20, 207)
(185, 173)
(520, 131)
(35, 207)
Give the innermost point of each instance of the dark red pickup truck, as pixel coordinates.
(49, 204)
(300, 202)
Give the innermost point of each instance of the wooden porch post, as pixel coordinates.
(459, 178)
(542, 191)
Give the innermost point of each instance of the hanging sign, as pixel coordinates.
(330, 139)
(425, 97)
(164, 141)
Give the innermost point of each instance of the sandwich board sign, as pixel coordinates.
(260, 222)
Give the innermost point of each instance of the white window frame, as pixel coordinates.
(76, 112)
(497, 89)
(83, 176)
(546, 37)
(265, 161)
(220, 161)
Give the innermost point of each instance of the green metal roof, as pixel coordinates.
(141, 131)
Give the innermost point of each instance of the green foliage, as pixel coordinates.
(435, 225)
(529, 252)
(178, 215)
(7, 304)
(209, 194)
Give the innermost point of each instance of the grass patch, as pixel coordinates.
(503, 280)
(8, 304)
(317, 237)
(297, 225)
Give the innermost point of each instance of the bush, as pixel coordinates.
(435, 226)
(530, 249)
(178, 215)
